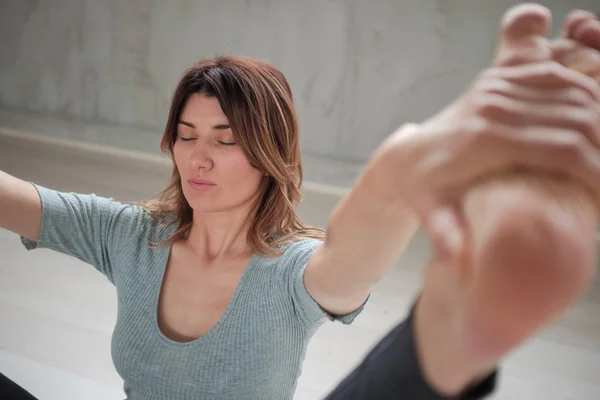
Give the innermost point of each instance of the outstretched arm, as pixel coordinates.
(496, 126)
(86, 226)
(486, 131)
(366, 234)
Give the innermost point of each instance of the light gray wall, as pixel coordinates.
(103, 70)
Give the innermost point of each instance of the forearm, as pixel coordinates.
(367, 233)
(370, 230)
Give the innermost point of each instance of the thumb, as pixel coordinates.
(444, 229)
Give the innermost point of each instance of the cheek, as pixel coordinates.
(178, 158)
(243, 173)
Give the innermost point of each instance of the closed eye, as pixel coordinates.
(183, 139)
(227, 143)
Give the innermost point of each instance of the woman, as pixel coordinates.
(220, 286)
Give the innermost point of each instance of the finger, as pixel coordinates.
(562, 47)
(542, 95)
(445, 232)
(585, 60)
(568, 51)
(548, 74)
(512, 111)
(544, 149)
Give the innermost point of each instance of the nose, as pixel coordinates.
(201, 157)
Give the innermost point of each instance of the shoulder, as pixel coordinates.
(292, 266)
(298, 252)
(86, 205)
(116, 221)
(292, 259)
(291, 263)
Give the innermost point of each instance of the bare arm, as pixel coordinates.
(86, 226)
(421, 165)
(367, 233)
(20, 207)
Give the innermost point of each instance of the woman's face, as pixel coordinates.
(215, 174)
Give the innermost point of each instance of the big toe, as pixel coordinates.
(524, 30)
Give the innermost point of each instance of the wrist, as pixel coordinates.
(390, 168)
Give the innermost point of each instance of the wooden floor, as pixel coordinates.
(57, 314)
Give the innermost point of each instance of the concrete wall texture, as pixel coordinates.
(103, 71)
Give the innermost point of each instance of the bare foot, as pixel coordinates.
(531, 248)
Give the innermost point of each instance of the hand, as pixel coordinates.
(540, 116)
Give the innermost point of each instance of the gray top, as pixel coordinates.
(255, 351)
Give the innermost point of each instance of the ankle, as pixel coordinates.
(444, 355)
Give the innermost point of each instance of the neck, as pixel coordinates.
(219, 235)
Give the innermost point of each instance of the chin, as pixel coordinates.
(205, 208)
(205, 205)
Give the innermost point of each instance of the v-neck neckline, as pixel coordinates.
(157, 289)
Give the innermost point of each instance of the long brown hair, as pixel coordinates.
(258, 102)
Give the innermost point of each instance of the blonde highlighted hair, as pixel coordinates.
(258, 102)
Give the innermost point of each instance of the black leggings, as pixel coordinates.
(391, 370)
(11, 391)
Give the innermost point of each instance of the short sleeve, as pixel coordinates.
(305, 307)
(88, 227)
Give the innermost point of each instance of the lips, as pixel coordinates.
(199, 181)
(201, 184)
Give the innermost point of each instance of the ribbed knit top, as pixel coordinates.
(256, 349)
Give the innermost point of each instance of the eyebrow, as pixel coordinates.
(218, 126)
